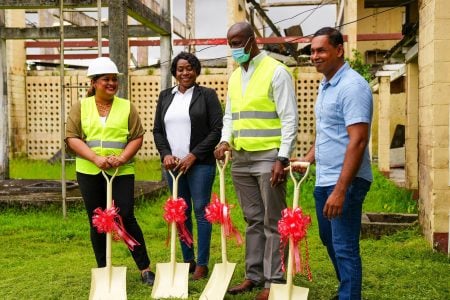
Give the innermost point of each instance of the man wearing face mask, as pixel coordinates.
(260, 129)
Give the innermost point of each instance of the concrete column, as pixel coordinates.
(351, 30)
(384, 134)
(190, 22)
(17, 102)
(4, 141)
(118, 42)
(166, 48)
(412, 126)
(46, 19)
(235, 13)
(142, 52)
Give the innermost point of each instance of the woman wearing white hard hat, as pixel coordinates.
(105, 132)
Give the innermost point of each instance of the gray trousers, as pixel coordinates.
(262, 205)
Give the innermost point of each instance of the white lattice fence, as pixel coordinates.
(306, 85)
(144, 92)
(43, 108)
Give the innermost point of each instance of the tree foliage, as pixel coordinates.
(358, 64)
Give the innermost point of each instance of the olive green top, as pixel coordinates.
(73, 126)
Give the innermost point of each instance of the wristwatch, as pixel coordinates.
(283, 160)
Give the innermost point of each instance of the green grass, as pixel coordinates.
(385, 196)
(39, 169)
(47, 257)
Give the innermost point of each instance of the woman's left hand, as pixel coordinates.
(185, 163)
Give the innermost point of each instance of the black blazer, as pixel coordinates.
(206, 124)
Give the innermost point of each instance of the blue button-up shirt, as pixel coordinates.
(344, 100)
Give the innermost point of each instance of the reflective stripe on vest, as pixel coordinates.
(106, 144)
(258, 132)
(104, 139)
(256, 124)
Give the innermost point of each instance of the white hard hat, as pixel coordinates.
(102, 65)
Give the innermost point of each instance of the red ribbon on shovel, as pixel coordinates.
(109, 221)
(217, 212)
(294, 223)
(174, 211)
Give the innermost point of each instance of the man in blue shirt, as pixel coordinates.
(343, 174)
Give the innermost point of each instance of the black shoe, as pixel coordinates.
(148, 277)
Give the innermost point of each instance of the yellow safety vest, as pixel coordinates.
(256, 124)
(108, 139)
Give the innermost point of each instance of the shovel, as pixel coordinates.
(221, 276)
(288, 291)
(108, 282)
(171, 280)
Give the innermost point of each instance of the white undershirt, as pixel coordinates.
(178, 122)
(103, 120)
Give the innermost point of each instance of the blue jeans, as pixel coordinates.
(195, 188)
(341, 236)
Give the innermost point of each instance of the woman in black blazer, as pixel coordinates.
(188, 124)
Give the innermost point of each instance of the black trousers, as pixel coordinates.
(93, 191)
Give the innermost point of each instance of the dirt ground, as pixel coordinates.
(40, 192)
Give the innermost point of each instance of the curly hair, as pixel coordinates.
(192, 60)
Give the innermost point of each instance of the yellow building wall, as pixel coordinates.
(434, 88)
(397, 115)
(379, 22)
(370, 20)
(398, 112)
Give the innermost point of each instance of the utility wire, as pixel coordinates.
(310, 35)
(309, 10)
(299, 14)
(313, 11)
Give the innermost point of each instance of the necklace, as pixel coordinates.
(103, 109)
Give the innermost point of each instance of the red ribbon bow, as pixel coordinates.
(294, 224)
(217, 212)
(109, 221)
(174, 211)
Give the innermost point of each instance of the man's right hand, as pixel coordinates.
(219, 153)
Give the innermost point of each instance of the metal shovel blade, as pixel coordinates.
(218, 282)
(171, 281)
(108, 283)
(287, 292)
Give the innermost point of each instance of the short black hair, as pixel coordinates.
(191, 58)
(334, 36)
